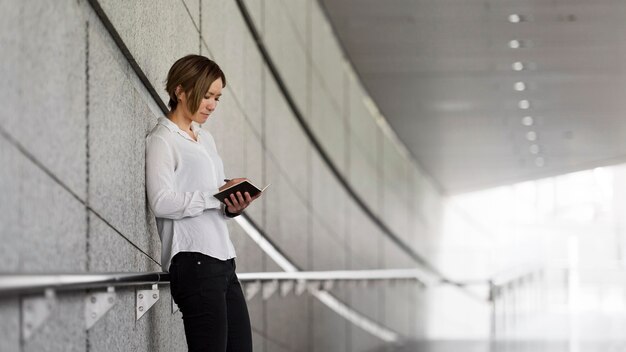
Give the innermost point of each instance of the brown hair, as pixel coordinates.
(194, 73)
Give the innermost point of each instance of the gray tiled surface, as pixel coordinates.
(110, 252)
(395, 168)
(272, 199)
(364, 178)
(398, 308)
(363, 129)
(396, 191)
(287, 220)
(251, 93)
(285, 139)
(10, 324)
(328, 250)
(193, 6)
(258, 342)
(157, 330)
(223, 32)
(256, 310)
(328, 197)
(361, 340)
(326, 55)
(157, 33)
(365, 300)
(254, 162)
(297, 12)
(288, 52)
(329, 329)
(255, 9)
(118, 331)
(48, 225)
(288, 320)
(117, 143)
(364, 240)
(44, 103)
(272, 345)
(250, 257)
(166, 332)
(64, 330)
(328, 122)
(10, 214)
(226, 126)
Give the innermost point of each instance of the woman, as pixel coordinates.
(183, 171)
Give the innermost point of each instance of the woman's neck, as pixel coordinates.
(179, 118)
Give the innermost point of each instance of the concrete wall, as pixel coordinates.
(72, 132)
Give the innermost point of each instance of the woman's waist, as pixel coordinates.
(209, 217)
(186, 256)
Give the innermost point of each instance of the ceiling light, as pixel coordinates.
(515, 18)
(519, 86)
(518, 66)
(531, 136)
(515, 44)
(534, 149)
(527, 121)
(539, 161)
(524, 104)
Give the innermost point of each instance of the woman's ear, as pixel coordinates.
(180, 94)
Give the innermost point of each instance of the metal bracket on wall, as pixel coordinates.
(252, 289)
(269, 288)
(174, 306)
(97, 304)
(328, 285)
(145, 299)
(286, 287)
(300, 287)
(35, 311)
(313, 286)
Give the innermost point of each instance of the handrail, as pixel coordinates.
(32, 284)
(506, 277)
(23, 284)
(341, 275)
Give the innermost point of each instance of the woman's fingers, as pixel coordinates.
(233, 199)
(242, 201)
(238, 202)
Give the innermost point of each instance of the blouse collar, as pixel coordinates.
(195, 128)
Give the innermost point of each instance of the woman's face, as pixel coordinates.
(207, 104)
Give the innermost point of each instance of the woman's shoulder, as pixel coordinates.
(159, 133)
(160, 130)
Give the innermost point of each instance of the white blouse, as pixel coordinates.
(181, 177)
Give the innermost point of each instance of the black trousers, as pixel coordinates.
(214, 308)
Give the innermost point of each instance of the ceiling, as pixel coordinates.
(441, 72)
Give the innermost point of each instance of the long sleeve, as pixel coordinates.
(164, 200)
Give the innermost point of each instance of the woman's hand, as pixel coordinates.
(237, 202)
(232, 182)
